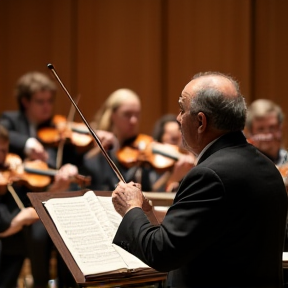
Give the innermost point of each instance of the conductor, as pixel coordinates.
(227, 223)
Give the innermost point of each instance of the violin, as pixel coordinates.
(145, 149)
(76, 133)
(35, 175)
(7, 170)
(91, 131)
(283, 169)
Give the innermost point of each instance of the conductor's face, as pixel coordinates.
(188, 123)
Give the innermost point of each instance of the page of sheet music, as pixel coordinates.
(87, 225)
(115, 220)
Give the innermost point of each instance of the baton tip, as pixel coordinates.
(50, 66)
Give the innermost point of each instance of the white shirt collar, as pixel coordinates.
(204, 150)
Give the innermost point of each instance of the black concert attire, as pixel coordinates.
(226, 227)
(13, 253)
(38, 242)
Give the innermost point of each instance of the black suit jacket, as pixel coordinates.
(14, 244)
(5, 218)
(226, 226)
(17, 125)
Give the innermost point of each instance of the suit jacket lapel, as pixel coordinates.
(23, 124)
(227, 140)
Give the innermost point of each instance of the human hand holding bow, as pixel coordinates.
(127, 196)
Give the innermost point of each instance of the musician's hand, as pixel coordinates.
(28, 216)
(107, 139)
(180, 169)
(15, 163)
(35, 150)
(182, 166)
(67, 171)
(127, 196)
(63, 177)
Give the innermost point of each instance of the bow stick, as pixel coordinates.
(109, 160)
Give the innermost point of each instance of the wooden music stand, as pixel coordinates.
(37, 199)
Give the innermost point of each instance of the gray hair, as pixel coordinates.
(261, 108)
(223, 112)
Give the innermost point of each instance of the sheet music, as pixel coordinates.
(87, 225)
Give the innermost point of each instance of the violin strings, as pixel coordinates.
(109, 160)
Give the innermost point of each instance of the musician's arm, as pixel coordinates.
(17, 139)
(27, 216)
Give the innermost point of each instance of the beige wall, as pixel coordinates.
(150, 46)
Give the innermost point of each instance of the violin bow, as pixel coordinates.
(61, 144)
(72, 110)
(109, 160)
(15, 196)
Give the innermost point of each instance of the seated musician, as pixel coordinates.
(35, 94)
(167, 131)
(18, 242)
(264, 129)
(10, 224)
(12, 221)
(120, 114)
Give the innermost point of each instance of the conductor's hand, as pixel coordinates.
(127, 196)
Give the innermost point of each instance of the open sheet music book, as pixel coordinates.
(87, 224)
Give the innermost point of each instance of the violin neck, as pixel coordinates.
(80, 179)
(44, 172)
(172, 155)
(80, 130)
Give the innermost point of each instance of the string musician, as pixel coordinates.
(35, 93)
(167, 131)
(12, 221)
(264, 129)
(120, 114)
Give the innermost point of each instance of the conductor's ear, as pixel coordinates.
(202, 120)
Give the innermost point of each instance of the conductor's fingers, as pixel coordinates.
(137, 185)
